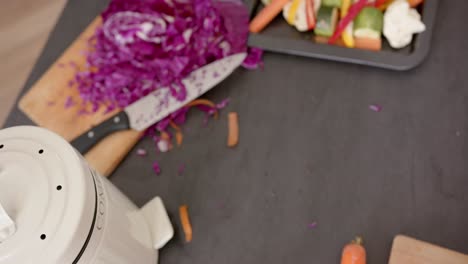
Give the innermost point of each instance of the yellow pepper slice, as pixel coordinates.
(347, 35)
(292, 12)
(345, 4)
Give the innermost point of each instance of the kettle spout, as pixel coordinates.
(158, 222)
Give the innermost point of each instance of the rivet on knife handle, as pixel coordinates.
(113, 124)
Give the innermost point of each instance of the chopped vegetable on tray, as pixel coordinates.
(400, 23)
(349, 23)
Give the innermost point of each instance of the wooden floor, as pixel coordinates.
(24, 28)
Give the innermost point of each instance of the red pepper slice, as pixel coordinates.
(378, 3)
(352, 13)
(310, 12)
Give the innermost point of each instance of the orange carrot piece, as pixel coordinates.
(354, 253)
(414, 3)
(368, 43)
(266, 15)
(185, 220)
(384, 6)
(178, 136)
(324, 40)
(165, 136)
(233, 132)
(203, 102)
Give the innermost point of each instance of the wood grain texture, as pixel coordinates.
(24, 28)
(45, 105)
(408, 250)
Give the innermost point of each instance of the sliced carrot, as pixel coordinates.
(368, 43)
(266, 15)
(178, 136)
(384, 6)
(165, 136)
(414, 3)
(204, 102)
(185, 220)
(201, 102)
(354, 253)
(233, 133)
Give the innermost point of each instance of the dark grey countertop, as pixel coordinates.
(311, 151)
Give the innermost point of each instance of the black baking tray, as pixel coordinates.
(279, 37)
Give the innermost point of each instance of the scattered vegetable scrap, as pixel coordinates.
(354, 252)
(179, 136)
(375, 108)
(163, 145)
(141, 152)
(254, 59)
(233, 134)
(349, 23)
(156, 168)
(69, 102)
(185, 221)
(181, 169)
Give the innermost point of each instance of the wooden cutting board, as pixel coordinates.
(406, 250)
(45, 103)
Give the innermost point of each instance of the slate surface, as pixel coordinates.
(311, 151)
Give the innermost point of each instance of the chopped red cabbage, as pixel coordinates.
(144, 45)
(254, 59)
(156, 168)
(141, 152)
(375, 107)
(69, 102)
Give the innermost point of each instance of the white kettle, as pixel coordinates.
(55, 209)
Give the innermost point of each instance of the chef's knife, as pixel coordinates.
(160, 103)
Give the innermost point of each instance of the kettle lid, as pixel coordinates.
(48, 193)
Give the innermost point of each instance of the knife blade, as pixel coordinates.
(159, 104)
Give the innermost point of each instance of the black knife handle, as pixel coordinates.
(91, 137)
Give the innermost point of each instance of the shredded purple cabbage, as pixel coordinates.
(375, 107)
(156, 168)
(254, 59)
(69, 102)
(144, 45)
(141, 152)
